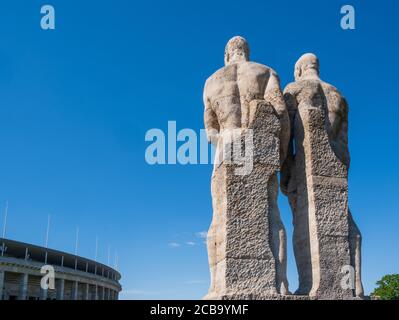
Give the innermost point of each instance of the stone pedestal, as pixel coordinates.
(242, 241)
(321, 210)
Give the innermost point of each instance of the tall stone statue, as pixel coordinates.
(315, 177)
(246, 241)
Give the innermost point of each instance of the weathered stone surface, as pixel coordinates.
(260, 297)
(228, 94)
(314, 177)
(246, 240)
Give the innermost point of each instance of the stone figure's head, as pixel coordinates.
(307, 67)
(237, 50)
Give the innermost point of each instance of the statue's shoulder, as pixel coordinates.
(255, 66)
(332, 91)
(329, 87)
(292, 88)
(309, 86)
(258, 65)
(336, 100)
(219, 78)
(213, 77)
(224, 73)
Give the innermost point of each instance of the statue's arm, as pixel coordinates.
(287, 167)
(274, 96)
(210, 121)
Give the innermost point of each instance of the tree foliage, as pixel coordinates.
(388, 287)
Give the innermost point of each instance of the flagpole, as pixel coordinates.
(116, 261)
(5, 221)
(47, 234)
(48, 229)
(76, 247)
(77, 241)
(3, 246)
(95, 258)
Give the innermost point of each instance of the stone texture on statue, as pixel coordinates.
(243, 222)
(314, 177)
(246, 240)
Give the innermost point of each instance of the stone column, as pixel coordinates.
(108, 294)
(2, 282)
(243, 241)
(102, 293)
(96, 293)
(75, 290)
(60, 289)
(87, 292)
(324, 194)
(23, 290)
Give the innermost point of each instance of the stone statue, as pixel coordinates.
(247, 240)
(315, 177)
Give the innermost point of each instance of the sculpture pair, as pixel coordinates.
(303, 134)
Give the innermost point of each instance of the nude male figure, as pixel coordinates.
(308, 89)
(228, 95)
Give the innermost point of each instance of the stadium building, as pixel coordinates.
(23, 266)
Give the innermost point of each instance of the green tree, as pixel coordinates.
(388, 287)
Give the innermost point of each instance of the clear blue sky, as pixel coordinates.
(76, 102)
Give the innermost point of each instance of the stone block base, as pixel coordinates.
(252, 296)
(270, 297)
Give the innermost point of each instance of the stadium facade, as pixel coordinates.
(23, 266)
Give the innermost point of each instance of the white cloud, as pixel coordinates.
(191, 239)
(174, 244)
(201, 234)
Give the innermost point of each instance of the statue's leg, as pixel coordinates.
(301, 242)
(212, 256)
(211, 236)
(213, 241)
(278, 236)
(355, 240)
